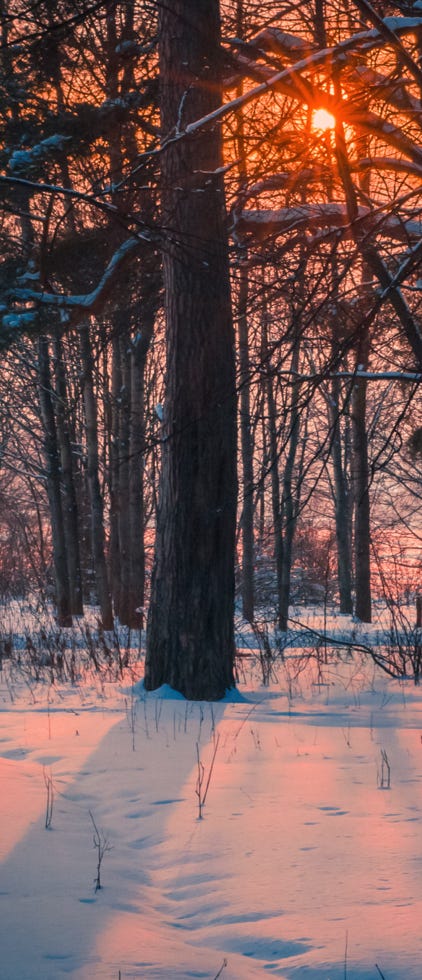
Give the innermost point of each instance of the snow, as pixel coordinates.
(303, 866)
(22, 160)
(19, 321)
(329, 215)
(89, 301)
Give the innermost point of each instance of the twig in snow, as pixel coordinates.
(101, 845)
(48, 779)
(222, 967)
(385, 776)
(202, 794)
(131, 709)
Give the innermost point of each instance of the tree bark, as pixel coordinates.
(69, 505)
(341, 507)
(124, 467)
(360, 468)
(96, 500)
(360, 482)
(273, 454)
(64, 617)
(246, 442)
(246, 439)
(136, 588)
(288, 508)
(190, 640)
(114, 457)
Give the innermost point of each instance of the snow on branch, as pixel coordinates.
(22, 161)
(383, 129)
(90, 302)
(308, 217)
(389, 29)
(290, 82)
(393, 90)
(388, 163)
(274, 40)
(366, 40)
(413, 377)
(281, 181)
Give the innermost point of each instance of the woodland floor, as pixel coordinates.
(306, 864)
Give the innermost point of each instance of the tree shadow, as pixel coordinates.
(51, 916)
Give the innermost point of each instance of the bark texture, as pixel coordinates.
(246, 443)
(54, 488)
(69, 501)
(342, 506)
(190, 640)
(360, 478)
(96, 499)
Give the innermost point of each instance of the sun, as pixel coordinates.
(322, 120)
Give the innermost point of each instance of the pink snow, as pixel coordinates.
(303, 866)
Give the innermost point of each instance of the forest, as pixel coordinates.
(210, 489)
(210, 302)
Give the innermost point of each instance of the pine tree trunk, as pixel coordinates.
(247, 453)
(288, 509)
(96, 500)
(114, 476)
(123, 449)
(273, 460)
(246, 440)
(360, 480)
(136, 589)
(61, 577)
(190, 641)
(69, 506)
(342, 507)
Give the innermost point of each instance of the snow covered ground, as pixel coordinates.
(306, 864)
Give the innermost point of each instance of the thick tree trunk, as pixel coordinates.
(190, 641)
(61, 577)
(96, 500)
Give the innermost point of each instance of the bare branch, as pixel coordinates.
(93, 301)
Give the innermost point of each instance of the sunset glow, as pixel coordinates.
(323, 120)
(210, 490)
